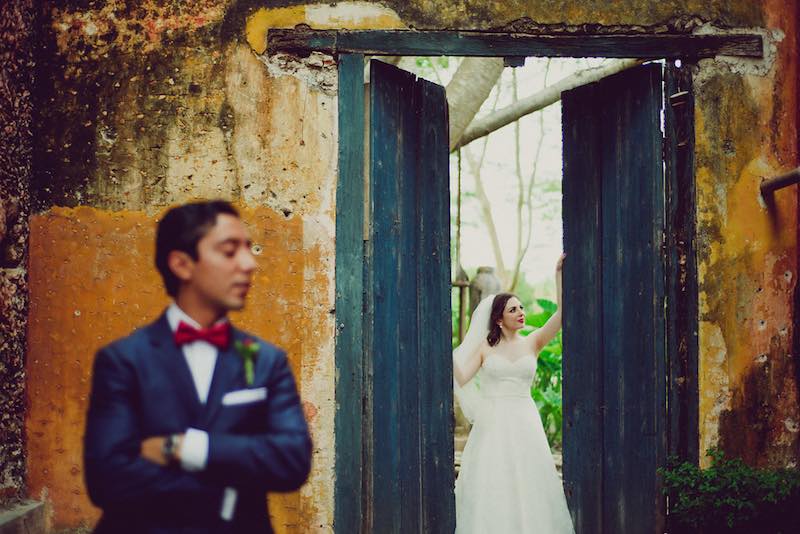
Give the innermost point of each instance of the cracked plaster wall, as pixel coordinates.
(746, 130)
(140, 109)
(143, 106)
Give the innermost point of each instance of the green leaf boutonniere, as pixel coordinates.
(248, 350)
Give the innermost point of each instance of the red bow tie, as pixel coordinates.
(218, 335)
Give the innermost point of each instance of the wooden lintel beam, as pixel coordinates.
(492, 44)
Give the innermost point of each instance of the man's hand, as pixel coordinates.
(153, 449)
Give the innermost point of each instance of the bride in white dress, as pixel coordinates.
(508, 482)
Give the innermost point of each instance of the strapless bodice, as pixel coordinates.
(501, 377)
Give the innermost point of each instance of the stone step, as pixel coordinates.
(27, 517)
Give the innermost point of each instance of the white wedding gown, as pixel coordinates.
(508, 482)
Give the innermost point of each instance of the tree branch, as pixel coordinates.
(483, 199)
(468, 89)
(527, 199)
(537, 101)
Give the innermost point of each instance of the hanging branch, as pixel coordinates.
(470, 86)
(520, 182)
(483, 199)
(540, 100)
(529, 196)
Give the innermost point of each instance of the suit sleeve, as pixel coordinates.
(278, 460)
(116, 474)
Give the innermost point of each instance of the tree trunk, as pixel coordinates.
(468, 89)
(486, 212)
(535, 102)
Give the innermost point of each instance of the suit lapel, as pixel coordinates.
(171, 357)
(228, 375)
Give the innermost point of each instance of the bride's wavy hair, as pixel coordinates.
(498, 307)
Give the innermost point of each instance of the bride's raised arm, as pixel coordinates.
(541, 337)
(464, 370)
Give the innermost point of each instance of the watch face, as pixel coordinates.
(169, 447)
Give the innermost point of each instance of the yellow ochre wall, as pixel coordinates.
(142, 107)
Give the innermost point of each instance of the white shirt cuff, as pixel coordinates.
(194, 450)
(228, 504)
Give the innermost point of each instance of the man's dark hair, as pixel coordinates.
(181, 229)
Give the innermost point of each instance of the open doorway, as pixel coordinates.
(375, 482)
(614, 136)
(506, 207)
(616, 387)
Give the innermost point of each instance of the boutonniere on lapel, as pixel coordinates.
(247, 350)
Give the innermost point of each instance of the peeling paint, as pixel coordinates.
(265, 18)
(715, 396)
(745, 248)
(117, 25)
(317, 70)
(339, 15)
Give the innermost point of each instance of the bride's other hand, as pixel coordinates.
(559, 276)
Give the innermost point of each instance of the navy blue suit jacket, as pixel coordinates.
(142, 387)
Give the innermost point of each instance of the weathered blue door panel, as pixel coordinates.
(409, 264)
(614, 370)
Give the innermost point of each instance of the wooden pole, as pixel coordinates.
(770, 185)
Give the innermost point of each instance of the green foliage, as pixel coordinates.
(546, 387)
(731, 497)
(431, 63)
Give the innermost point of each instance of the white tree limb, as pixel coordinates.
(468, 89)
(547, 96)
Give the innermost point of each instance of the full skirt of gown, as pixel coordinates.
(508, 483)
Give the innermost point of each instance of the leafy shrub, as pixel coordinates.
(546, 387)
(731, 497)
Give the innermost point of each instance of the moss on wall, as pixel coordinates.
(16, 81)
(482, 15)
(747, 251)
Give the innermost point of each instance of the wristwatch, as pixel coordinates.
(170, 448)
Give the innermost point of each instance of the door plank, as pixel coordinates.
(412, 444)
(583, 321)
(632, 300)
(614, 342)
(433, 265)
(387, 89)
(349, 296)
(681, 291)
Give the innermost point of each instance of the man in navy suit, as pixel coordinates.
(190, 420)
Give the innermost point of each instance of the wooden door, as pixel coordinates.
(410, 441)
(615, 377)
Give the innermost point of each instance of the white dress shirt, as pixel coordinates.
(201, 356)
